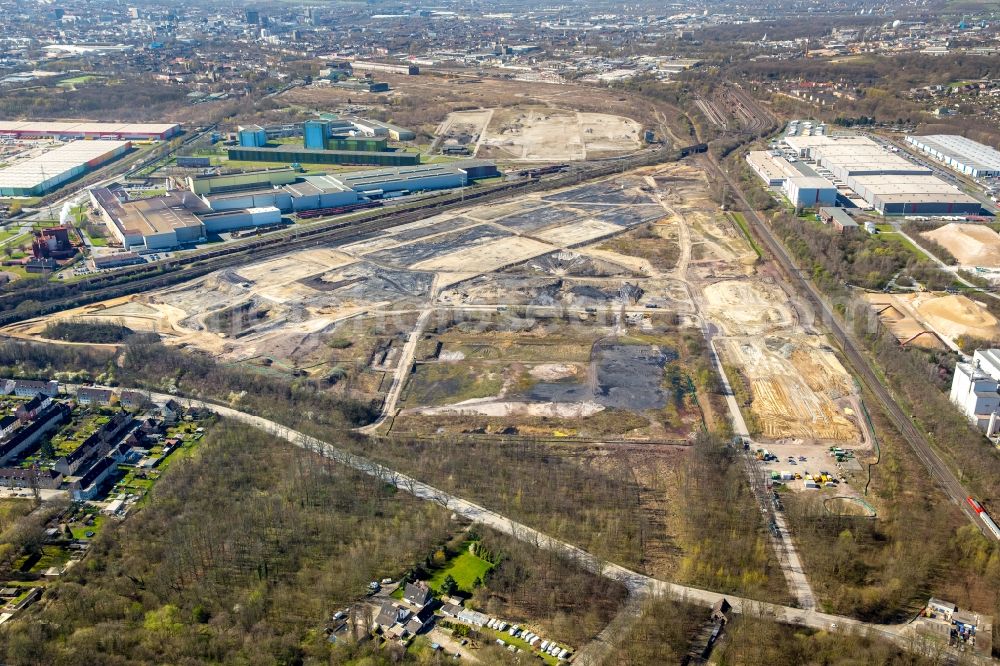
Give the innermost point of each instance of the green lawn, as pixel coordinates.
(465, 568)
(80, 530)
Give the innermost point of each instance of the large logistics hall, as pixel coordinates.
(39, 175)
(959, 153)
(19, 129)
(886, 181)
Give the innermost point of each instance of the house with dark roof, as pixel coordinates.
(390, 614)
(417, 594)
(95, 446)
(25, 439)
(30, 409)
(19, 477)
(7, 426)
(89, 485)
(133, 399)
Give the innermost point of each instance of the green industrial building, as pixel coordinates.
(292, 155)
(371, 145)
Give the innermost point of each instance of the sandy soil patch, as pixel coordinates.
(956, 315)
(747, 307)
(579, 232)
(486, 257)
(971, 244)
(506, 408)
(794, 384)
(897, 317)
(552, 371)
(541, 133)
(295, 266)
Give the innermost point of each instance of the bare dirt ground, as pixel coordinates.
(897, 316)
(795, 382)
(423, 102)
(547, 134)
(954, 315)
(971, 244)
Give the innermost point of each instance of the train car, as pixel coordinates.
(990, 525)
(977, 507)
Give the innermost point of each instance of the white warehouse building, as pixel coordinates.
(800, 183)
(960, 154)
(975, 388)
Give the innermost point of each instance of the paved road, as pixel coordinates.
(857, 360)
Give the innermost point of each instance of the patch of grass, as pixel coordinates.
(465, 568)
(741, 222)
(444, 383)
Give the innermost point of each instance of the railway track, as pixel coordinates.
(54, 297)
(859, 363)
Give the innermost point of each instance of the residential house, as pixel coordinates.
(19, 477)
(24, 439)
(25, 388)
(7, 426)
(96, 446)
(29, 410)
(417, 594)
(133, 400)
(88, 486)
(90, 395)
(172, 411)
(391, 614)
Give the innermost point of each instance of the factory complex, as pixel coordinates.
(39, 175)
(87, 130)
(814, 169)
(963, 155)
(215, 204)
(328, 140)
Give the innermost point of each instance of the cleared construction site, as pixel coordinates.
(571, 313)
(540, 133)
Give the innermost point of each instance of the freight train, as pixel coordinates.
(985, 517)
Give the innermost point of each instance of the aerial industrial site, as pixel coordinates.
(370, 334)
